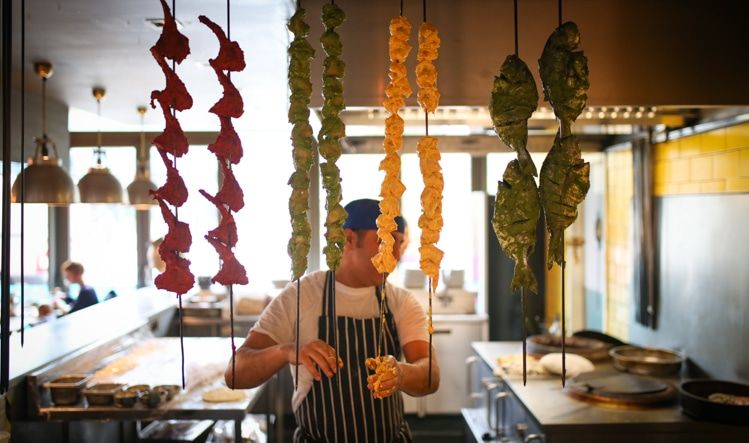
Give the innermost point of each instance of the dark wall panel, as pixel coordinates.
(703, 268)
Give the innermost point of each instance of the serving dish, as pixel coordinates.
(695, 401)
(102, 394)
(646, 361)
(66, 390)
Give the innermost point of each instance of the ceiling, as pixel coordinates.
(678, 55)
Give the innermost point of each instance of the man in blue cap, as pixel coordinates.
(340, 316)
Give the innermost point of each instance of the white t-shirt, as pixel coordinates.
(278, 320)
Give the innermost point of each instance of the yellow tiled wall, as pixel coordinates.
(712, 162)
(619, 191)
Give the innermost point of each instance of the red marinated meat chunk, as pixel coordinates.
(227, 145)
(171, 44)
(174, 190)
(230, 104)
(230, 193)
(231, 272)
(175, 93)
(230, 55)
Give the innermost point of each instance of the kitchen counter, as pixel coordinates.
(66, 335)
(561, 417)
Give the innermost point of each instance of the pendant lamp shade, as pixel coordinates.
(99, 185)
(45, 182)
(138, 192)
(43, 179)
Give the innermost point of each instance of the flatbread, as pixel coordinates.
(575, 364)
(223, 395)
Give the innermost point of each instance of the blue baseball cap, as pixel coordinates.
(363, 213)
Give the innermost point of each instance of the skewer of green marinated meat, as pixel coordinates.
(303, 142)
(331, 133)
(565, 177)
(517, 207)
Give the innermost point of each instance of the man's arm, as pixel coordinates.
(411, 376)
(415, 371)
(260, 357)
(257, 360)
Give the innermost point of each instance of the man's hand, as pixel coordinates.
(315, 355)
(387, 378)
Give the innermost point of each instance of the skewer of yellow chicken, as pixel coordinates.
(392, 188)
(430, 221)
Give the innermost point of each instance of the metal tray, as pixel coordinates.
(646, 361)
(66, 390)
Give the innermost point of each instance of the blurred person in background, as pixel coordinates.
(86, 295)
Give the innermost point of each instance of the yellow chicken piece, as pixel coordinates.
(392, 188)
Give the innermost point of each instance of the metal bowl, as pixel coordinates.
(66, 390)
(646, 361)
(593, 350)
(696, 403)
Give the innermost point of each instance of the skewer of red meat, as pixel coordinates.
(228, 151)
(177, 278)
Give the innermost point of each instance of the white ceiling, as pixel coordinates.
(680, 53)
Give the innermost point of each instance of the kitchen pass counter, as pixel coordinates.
(559, 417)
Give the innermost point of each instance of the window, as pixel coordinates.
(36, 248)
(103, 236)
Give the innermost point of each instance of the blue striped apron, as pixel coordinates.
(342, 408)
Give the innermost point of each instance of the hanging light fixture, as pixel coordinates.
(138, 190)
(45, 181)
(99, 185)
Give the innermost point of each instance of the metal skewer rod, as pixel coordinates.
(524, 333)
(564, 331)
(430, 333)
(296, 358)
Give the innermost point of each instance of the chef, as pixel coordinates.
(334, 399)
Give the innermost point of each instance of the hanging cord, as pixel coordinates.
(23, 160)
(98, 151)
(7, 50)
(424, 9)
(515, 10)
(564, 265)
(401, 8)
(298, 311)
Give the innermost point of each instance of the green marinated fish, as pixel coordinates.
(564, 74)
(516, 214)
(514, 98)
(564, 182)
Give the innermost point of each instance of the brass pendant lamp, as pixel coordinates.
(44, 179)
(99, 185)
(138, 190)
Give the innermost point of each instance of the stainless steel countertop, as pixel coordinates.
(544, 399)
